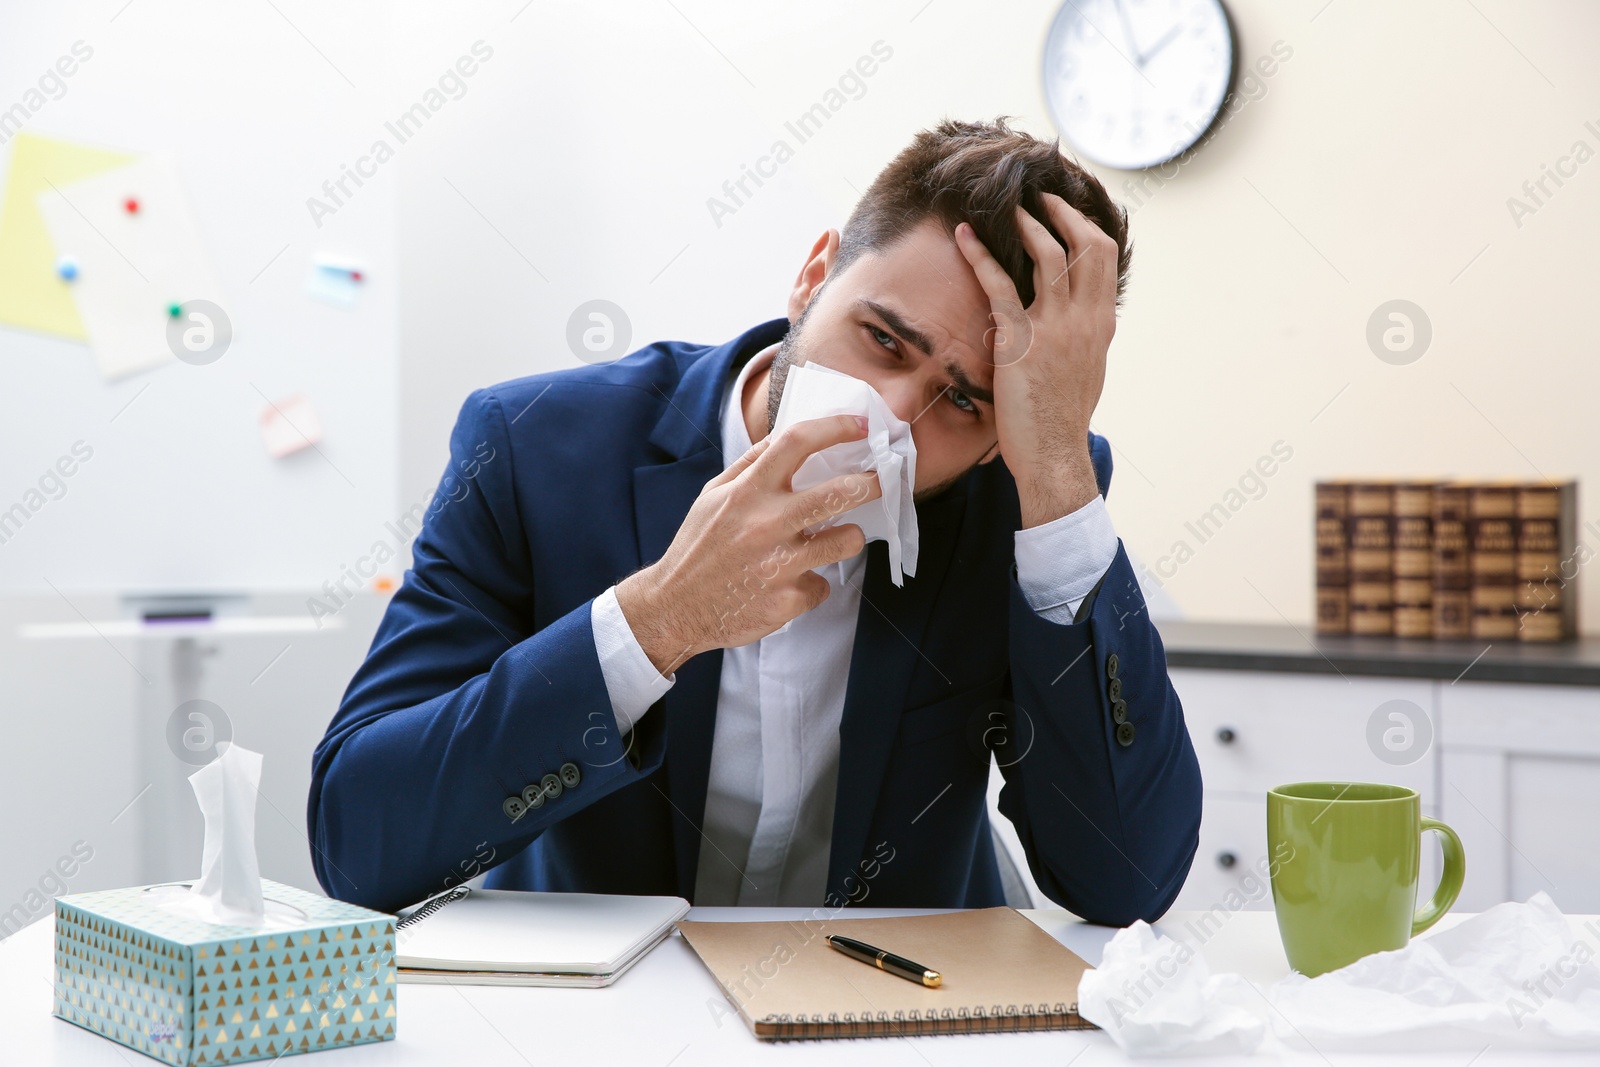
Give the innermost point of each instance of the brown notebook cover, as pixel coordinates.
(1001, 972)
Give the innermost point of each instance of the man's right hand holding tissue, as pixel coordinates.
(741, 564)
(1050, 357)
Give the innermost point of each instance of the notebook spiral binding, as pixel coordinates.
(977, 1019)
(432, 905)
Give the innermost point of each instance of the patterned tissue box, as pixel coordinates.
(318, 974)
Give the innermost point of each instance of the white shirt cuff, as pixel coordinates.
(1059, 563)
(632, 681)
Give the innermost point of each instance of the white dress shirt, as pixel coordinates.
(775, 750)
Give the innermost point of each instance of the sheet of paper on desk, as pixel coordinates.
(814, 392)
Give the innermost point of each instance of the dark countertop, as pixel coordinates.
(1298, 650)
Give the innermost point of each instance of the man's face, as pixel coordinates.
(913, 322)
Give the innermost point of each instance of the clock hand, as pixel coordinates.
(1127, 33)
(1159, 45)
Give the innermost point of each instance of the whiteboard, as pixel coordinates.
(258, 106)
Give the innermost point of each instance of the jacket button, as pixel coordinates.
(1125, 734)
(1114, 689)
(552, 785)
(570, 775)
(513, 807)
(533, 795)
(1119, 715)
(1112, 665)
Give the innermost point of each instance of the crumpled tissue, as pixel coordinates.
(814, 392)
(1514, 977)
(1155, 996)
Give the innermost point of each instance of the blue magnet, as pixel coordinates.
(67, 268)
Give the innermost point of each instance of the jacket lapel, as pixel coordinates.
(887, 650)
(689, 437)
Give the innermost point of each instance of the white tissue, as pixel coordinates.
(1155, 996)
(814, 392)
(230, 879)
(1515, 976)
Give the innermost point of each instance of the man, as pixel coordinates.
(582, 684)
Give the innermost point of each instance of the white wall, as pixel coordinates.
(1374, 164)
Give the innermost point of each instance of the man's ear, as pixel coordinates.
(819, 261)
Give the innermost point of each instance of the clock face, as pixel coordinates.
(1133, 83)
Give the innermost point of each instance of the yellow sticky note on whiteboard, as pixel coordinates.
(32, 295)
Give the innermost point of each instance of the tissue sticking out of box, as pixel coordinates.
(230, 878)
(815, 392)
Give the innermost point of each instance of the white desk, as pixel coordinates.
(660, 1014)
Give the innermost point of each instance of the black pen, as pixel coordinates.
(885, 961)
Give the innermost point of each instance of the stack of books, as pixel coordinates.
(1495, 561)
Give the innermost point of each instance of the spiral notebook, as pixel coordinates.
(1000, 971)
(504, 937)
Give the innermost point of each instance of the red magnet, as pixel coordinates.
(131, 206)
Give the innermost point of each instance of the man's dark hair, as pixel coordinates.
(977, 172)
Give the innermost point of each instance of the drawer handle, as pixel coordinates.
(1226, 860)
(1226, 736)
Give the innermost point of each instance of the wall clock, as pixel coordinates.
(1135, 83)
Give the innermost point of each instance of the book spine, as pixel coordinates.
(1333, 561)
(1371, 554)
(1571, 559)
(1492, 511)
(1545, 531)
(1413, 560)
(1452, 573)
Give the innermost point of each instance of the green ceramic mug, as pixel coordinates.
(1345, 883)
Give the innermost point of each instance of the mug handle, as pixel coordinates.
(1455, 872)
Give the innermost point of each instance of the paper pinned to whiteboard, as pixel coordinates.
(289, 425)
(132, 264)
(337, 281)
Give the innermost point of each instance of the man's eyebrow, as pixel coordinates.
(916, 337)
(920, 341)
(966, 384)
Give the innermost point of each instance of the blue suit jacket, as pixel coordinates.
(483, 678)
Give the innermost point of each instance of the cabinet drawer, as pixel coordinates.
(1253, 731)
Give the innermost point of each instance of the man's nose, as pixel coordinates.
(904, 395)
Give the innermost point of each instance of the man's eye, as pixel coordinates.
(962, 400)
(884, 339)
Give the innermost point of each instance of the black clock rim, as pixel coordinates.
(1227, 95)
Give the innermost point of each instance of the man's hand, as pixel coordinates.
(1050, 357)
(740, 565)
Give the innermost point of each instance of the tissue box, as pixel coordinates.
(321, 975)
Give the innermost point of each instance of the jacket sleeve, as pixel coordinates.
(460, 704)
(1108, 811)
